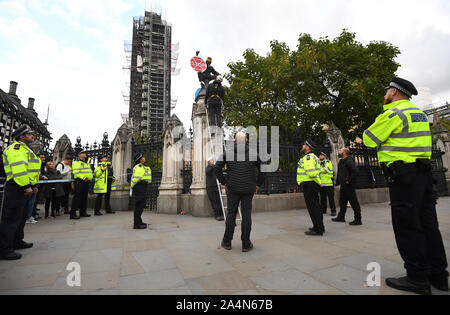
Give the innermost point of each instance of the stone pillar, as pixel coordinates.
(63, 147)
(121, 157)
(441, 139)
(121, 161)
(334, 136)
(203, 148)
(171, 188)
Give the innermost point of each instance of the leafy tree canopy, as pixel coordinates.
(322, 81)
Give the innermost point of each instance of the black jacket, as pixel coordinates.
(211, 179)
(347, 172)
(215, 93)
(241, 175)
(57, 187)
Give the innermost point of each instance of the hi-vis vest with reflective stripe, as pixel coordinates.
(81, 170)
(401, 133)
(326, 175)
(141, 172)
(21, 164)
(101, 179)
(309, 169)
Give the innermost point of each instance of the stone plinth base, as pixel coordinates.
(169, 202)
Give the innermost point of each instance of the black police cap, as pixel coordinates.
(404, 86)
(103, 155)
(310, 143)
(138, 157)
(22, 130)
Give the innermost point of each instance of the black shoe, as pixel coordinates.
(406, 284)
(142, 226)
(220, 218)
(313, 233)
(98, 213)
(356, 222)
(23, 245)
(10, 256)
(110, 212)
(85, 215)
(440, 283)
(73, 216)
(226, 246)
(338, 219)
(247, 249)
(333, 213)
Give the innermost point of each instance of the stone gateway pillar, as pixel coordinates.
(171, 188)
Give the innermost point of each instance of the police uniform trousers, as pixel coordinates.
(233, 201)
(140, 201)
(14, 215)
(311, 192)
(80, 198)
(214, 198)
(107, 195)
(327, 192)
(346, 195)
(215, 112)
(415, 223)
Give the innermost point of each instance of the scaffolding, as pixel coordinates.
(150, 64)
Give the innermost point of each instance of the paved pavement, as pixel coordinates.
(180, 255)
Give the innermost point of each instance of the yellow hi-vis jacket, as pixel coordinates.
(22, 165)
(401, 133)
(101, 179)
(141, 172)
(309, 169)
(82, 170)
(326, 175)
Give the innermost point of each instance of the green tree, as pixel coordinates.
(322, 81)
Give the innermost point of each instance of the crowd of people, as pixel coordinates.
(401, 134)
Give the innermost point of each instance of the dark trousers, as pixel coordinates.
(215, 113)
(346, 195)
(14, 215)
(63, 201)
(233, 200)
(311, 191)
(415, 223)
(80, 198)
(214, 198)
(140, 197)
(54, 202)
(98, 201)
(327, 192)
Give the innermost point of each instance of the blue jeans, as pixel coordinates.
(31, 201)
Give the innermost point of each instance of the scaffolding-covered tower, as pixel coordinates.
(150, 78)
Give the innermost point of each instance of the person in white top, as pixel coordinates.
(65, 168)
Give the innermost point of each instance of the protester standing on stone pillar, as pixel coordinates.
(327, 188)
(213, 190)
(346, 178)
(215, 94)
(308, 178)
(142, 176)
(241, 184)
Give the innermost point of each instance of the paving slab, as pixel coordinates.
(181, 255)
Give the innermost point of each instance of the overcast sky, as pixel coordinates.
(69, 53)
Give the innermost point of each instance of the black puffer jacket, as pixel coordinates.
(241, 175)
(347, 172)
